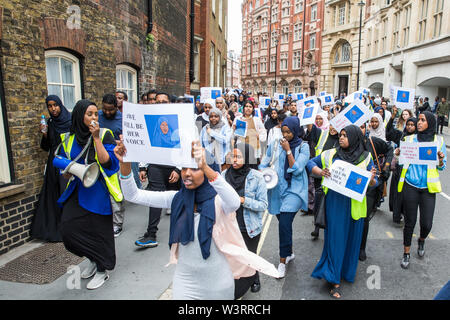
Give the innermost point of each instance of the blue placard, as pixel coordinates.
(300, 96)
(428, 153)
(215, 94)
(402, 96)
(354, 114)
(241, 127)
(308, 101)
(327, 98)
(308, 112)
(356, 182)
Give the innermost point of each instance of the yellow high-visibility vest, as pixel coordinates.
(359, 209)
(433, 182)
(321, 143)
(112, 182)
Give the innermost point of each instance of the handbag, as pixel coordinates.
(319, 209)
(379, 168)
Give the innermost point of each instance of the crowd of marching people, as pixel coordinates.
(216, 211)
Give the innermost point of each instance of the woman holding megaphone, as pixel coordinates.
(86, 222)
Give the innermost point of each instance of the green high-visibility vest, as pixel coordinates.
(112, 182)
(359, 209)
(433, 182)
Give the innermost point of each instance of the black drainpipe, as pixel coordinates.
(191, 62)
(150, 16)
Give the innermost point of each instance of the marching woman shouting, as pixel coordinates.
(87, 221)
(204, 237)
(422, 184)
(344, 216)
(291, 192)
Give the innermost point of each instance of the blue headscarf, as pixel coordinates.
(293, 123)
(63, 121)
(378, 109)
(160, 139)
(182, 217)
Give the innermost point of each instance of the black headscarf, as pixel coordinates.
(78, 127)
(271, 122)
(236, 177)
(63, 121)
(405, 132)
(332, 141)
(355, 149)
(428, 134)
(293, 123)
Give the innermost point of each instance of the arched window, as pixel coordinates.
(312, 88)
(285, 88)
(297, 87)
(126, 81)
(63, 76)
(343, 53)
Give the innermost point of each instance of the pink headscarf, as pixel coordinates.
(326, 124)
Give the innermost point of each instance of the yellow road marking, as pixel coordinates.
(264, 232)
(389, 234)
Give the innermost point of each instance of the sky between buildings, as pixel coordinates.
(235, 25)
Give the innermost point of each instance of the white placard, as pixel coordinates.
(419, 153)
(358, 95)
(304, 102)
(264, 102)
(348, 179)
(210, 93)
(159, 133)
(322, 93)
(327, 100)
(299, 96)
(279, 96)
(365, 91)
(308, 114)
(356, 113)
(403, 98)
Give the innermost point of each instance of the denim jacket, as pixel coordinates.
(255, 202)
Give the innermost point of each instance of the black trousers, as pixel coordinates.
(440, 122)
(158, 180)
(242, 285)
(373, 195)
(414, 198)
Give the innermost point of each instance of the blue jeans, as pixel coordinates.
(285, 220)
(135, 169)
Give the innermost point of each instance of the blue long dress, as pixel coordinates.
(342, 236)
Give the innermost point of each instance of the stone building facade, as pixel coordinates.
(78, 49)
(407, 44)
(282, 45)
(340, 45)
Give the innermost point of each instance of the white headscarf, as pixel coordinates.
(379, 132)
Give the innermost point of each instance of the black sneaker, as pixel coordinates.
(146, 242)
(362, 255)
(405, 261)
(421, 248)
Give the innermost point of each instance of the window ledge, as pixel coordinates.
(11, 190)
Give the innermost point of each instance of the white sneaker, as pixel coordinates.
(89, 271)
(168, 211)
(98, 280)
(281, 270)
(290, 258)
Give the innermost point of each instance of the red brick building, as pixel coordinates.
(282, 45)
(210, 44)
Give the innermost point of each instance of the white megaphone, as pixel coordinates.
(88, 173)
(270, 177)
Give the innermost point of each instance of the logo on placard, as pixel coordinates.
(427, 153)
(402, 96)
(308, 113)
(309, 101)
(215, 94)
(327, 99)
(356, 182)
(354, 114)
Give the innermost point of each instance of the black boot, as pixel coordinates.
(421, 248)
(315, 233)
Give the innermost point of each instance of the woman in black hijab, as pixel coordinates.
(344, 218)
(251, 188)
(419, 185)
(395, 197)
(86, 222)
(47, 216)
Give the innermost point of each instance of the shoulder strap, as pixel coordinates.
(376, 156)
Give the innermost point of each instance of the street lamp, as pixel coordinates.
(361, 4)
(276, 62)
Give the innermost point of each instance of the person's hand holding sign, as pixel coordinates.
(198, 153)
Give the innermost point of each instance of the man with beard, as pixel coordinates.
(111, 118)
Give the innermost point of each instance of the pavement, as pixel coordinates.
(141, 274)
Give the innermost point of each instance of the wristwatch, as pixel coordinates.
(289, 152)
